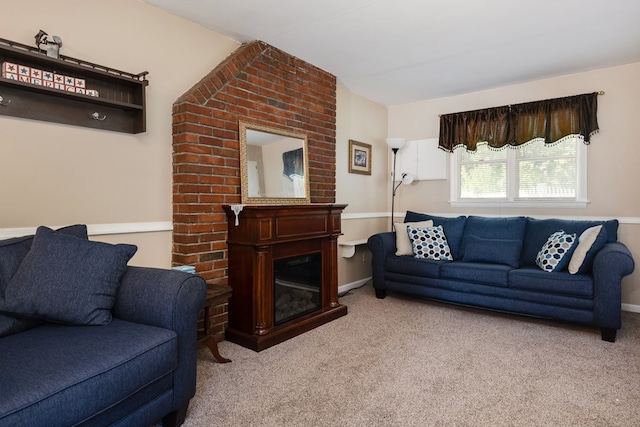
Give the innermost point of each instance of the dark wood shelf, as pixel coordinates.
(119, 107)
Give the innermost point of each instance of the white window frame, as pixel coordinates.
(580, 200)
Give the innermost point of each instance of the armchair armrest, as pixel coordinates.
(169, 299)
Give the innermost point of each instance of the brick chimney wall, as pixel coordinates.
(258, 84)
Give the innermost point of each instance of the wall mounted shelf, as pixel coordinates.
(120, 106)
(349, 246)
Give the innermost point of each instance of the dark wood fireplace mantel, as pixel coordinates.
(267, 233)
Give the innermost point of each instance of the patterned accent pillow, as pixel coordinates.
(429, 243)
(556, 252)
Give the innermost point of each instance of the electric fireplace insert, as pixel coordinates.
(297, 286)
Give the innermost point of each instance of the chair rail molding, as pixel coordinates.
(98, 229)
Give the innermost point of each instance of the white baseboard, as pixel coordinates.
(353, 285)
(631, 307)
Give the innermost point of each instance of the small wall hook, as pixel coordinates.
(3, 102)
(96, 116)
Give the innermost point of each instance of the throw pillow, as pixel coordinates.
(67, 279)
(403, 244)
(556, 251)
(12, 252)
(493, 251)
(429, 243)
(453, 228)
(589, 244)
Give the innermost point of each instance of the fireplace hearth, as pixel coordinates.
(283, 271)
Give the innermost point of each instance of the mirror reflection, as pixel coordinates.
(273, 164)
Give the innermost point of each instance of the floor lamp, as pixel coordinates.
(395, 144)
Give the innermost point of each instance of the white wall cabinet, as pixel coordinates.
(423, 159)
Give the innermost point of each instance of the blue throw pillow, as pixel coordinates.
(556, 252)
(493, 251)
(12, 252)
(67, 279)
(429, 243)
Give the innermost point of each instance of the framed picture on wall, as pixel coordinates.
(359, 157)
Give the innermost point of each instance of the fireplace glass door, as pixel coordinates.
(297, 286)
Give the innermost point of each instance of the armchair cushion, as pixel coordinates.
(80, 373)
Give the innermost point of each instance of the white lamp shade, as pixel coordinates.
(395, 143)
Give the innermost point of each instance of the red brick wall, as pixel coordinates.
(259, 84)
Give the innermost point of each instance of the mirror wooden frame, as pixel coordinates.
(243, 127)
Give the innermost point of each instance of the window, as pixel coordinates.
(533, 174)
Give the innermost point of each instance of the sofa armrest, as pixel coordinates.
(169, 299)
(610, 265)
(381, 245)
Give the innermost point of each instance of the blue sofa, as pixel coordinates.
(107, 344)
(497, 263)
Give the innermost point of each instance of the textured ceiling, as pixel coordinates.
(399, 51)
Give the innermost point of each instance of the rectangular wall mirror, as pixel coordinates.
(274, 165)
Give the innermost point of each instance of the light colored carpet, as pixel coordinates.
(408, 362)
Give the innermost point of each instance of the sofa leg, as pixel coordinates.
(175, 418)
(381, 293)
(609, 334)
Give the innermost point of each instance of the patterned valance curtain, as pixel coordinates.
(514, 125)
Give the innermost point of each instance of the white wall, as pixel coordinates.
(365, 121)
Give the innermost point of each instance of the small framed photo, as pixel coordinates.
(359, 157)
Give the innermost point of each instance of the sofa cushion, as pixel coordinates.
(538, 230)
(429, 243)
(420, 267)
(509, 228)
(493, 251)
(563, 283)
(453, 228)
(589, 244)
(488, 274)
(12, 252)
(556, 252)
(87, 370)
(67, 279)
(403, 243)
